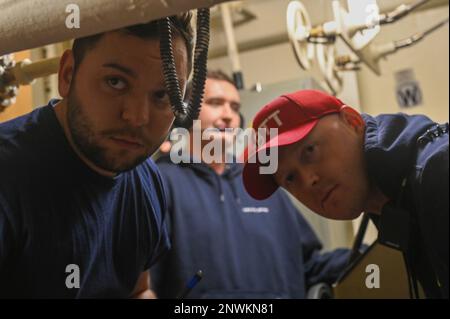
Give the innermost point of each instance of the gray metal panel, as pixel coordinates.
(253, 101)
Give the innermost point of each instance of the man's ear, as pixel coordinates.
(352, 118)
(66, 73)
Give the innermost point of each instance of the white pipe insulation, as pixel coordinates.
(26, 24)
(233, 52)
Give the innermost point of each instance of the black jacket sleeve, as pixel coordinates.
(433, 214)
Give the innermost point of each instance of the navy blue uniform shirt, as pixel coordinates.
(55, 212)
(398, 148)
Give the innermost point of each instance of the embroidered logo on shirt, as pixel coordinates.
(255, 210)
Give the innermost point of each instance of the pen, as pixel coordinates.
(191, 284)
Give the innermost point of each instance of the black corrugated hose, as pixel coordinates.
(186, 113)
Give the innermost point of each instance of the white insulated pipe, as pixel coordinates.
(25, 72)
(26, 24)
(233, 52)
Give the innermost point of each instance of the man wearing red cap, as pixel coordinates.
(341, 163)
(245, 248)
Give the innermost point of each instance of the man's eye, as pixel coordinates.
(116, 83)
(308, 154)
(161, 94)
(215, 102)
(161, 99)
(289, 178)
(236, 107)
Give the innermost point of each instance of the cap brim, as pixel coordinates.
(262, 186)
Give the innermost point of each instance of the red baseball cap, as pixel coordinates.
(294, 115)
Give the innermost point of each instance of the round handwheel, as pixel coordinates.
(325, 54)
(8, 92)
(299, 26)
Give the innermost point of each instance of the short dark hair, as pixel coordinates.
(220, 76)
(181, 26)
(210, 74)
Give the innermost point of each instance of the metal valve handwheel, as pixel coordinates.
(299, 27)
(325, 54)
(8, 92)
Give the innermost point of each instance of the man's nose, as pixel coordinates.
(227, 112)
(136, 112)
(308, 177)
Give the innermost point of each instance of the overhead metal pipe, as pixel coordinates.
(26, 24)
